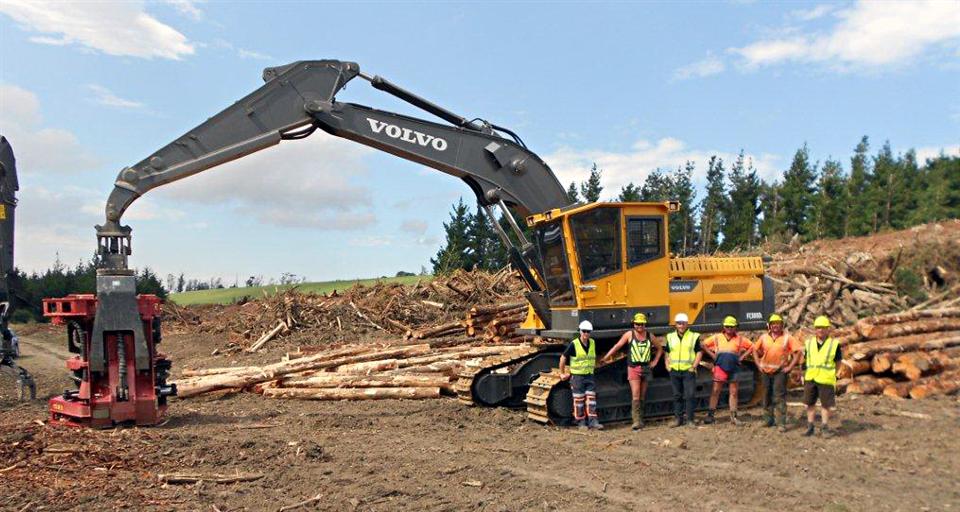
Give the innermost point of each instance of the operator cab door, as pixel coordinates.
(597, 238)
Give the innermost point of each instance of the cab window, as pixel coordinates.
(597, 234)
(644, 239)
(555, 269)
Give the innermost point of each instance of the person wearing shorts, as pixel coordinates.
(639, 363)
(728, 349)
(821, 355)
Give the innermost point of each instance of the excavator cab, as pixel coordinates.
(605, 262)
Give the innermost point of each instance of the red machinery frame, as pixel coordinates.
(121, 394)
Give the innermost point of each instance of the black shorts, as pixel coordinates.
(825, 392)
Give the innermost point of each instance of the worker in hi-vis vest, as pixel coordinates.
(821, 355)
(645, 353)
(581, 355)
(683, 358)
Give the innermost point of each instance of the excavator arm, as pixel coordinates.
(296, 100)
(300, 97)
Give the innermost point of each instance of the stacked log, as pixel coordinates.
(495, 323)
(384, 308)
(806, 291)
(908, 354)
(355, 372)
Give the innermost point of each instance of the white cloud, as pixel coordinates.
(44, 230)
(310, 183)
(187, 8)
(106, 97)
(371, 241)
(814, 13)
(926, 152)
(38, 148)
(869, 34)
(250, 54)
(241, 52)
(633, 165)
(711, 65)
(115, 28)
(414, 226)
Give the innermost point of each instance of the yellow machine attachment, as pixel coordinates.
(604, 262)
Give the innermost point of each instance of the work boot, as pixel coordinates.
(582, 424)
(678, 422)
(826, 431)
(809, 431)
(768, 420)
(733, 418)
(594, 424)
(709, 419)
(636, 411)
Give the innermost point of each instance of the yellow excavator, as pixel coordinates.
(601, 262)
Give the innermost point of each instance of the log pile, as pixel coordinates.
(433, 307)
(859, 277)
(806, 291)
(910, 354)
(352, 372)
(494, 323)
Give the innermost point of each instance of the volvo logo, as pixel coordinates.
(407, 135)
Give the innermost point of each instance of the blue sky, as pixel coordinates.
(88, 88)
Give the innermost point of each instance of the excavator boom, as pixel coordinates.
(300, 97)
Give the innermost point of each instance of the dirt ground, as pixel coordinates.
(440, 455)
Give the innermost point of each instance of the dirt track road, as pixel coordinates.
(440, 455)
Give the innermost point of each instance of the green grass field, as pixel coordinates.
(229, 295)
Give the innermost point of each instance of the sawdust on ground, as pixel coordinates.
(440, 455)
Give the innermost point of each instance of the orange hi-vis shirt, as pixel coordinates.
(771, 354)
(736, 345)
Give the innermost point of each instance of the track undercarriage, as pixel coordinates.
(532, 381)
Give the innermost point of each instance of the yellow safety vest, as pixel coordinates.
(821, 366)
(681, 350)
(639, 350)
(583, 361)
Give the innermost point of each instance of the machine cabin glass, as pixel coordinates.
(644, 239)
(597, 235)
(555, 269)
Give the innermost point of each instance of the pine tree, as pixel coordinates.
(572, 193)
(859, 213)
(453, 254)
(712, 206)
(798, 193)
(886, 189)
(629, 193)
(939, 195)
(771, 208)
(656, 187)
(483, 244)
(590, 190)
(683, 224)
(829, 212)
(740, 214)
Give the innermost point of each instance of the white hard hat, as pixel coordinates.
(586, 326)
(681, 317)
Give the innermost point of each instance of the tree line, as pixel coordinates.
(740, 210)
(60, 280)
